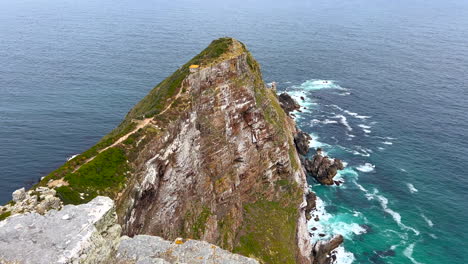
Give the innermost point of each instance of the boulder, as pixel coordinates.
(301, 140)
(288, 103)
(322, 250)
(19, 195)
(323, 169)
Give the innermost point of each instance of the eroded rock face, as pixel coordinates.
(311, 202)
(153, 249)
(232, 148)
(288, 103)
(302, 139)
(322, 168)
(86, 233)
(322, 252)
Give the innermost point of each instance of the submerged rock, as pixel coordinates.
(288, 103)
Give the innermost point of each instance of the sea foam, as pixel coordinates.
(428, 221)
(411, 188)
(408, 252)
(367, 167)
(384, 204)
(317, 84)
(344, 121)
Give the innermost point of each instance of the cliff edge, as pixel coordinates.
(208, 154)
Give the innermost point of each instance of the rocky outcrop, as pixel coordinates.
(322, 252)
(322, 168)
(153, 249)
(288, 103)
(311, 202)
(89, 233)
(209, 154)
(86, 233)
(302, 139)
(39, 200)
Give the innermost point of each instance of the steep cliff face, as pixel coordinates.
(209, 154)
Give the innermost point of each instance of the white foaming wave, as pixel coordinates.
(384, 204)
(331, 225)
(428, 221)
(360, 187)
(367, 167)
(343, 256)
(403, 170)
(411, 188)
(356, 115)
(408, 252)
(365, 128)
(325, 122)
(301, 97)
(387, 143)
(315, 143)
(360, 151)
(336, 107)
(72, 157)
(317, 84)
(380, 148)
(344, 94)
(344, 121)
(348, 172)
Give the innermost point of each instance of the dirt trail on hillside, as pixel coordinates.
(140, 124)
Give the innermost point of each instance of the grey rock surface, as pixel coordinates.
(86, 233)
(151, 249)
(19, 195)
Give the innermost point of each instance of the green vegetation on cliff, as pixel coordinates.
(104, 175)
(269, 229)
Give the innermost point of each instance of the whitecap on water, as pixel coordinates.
(387, 143)
(356, 115)
(411, 188)
(367, 167)
(428, 221)
(365, 128)
(343, 256)
(384, 204)
(317, 84)
(343, 121)
(408, 252)
(324, 122)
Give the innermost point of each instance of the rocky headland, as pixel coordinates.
(209, 166)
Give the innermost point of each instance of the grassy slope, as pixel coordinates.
(104, 174)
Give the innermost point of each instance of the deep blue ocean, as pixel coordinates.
(384, 86)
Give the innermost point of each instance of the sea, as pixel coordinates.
(383, 85)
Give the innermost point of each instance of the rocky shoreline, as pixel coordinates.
(220, 161)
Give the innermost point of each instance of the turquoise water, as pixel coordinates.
(394, 107)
